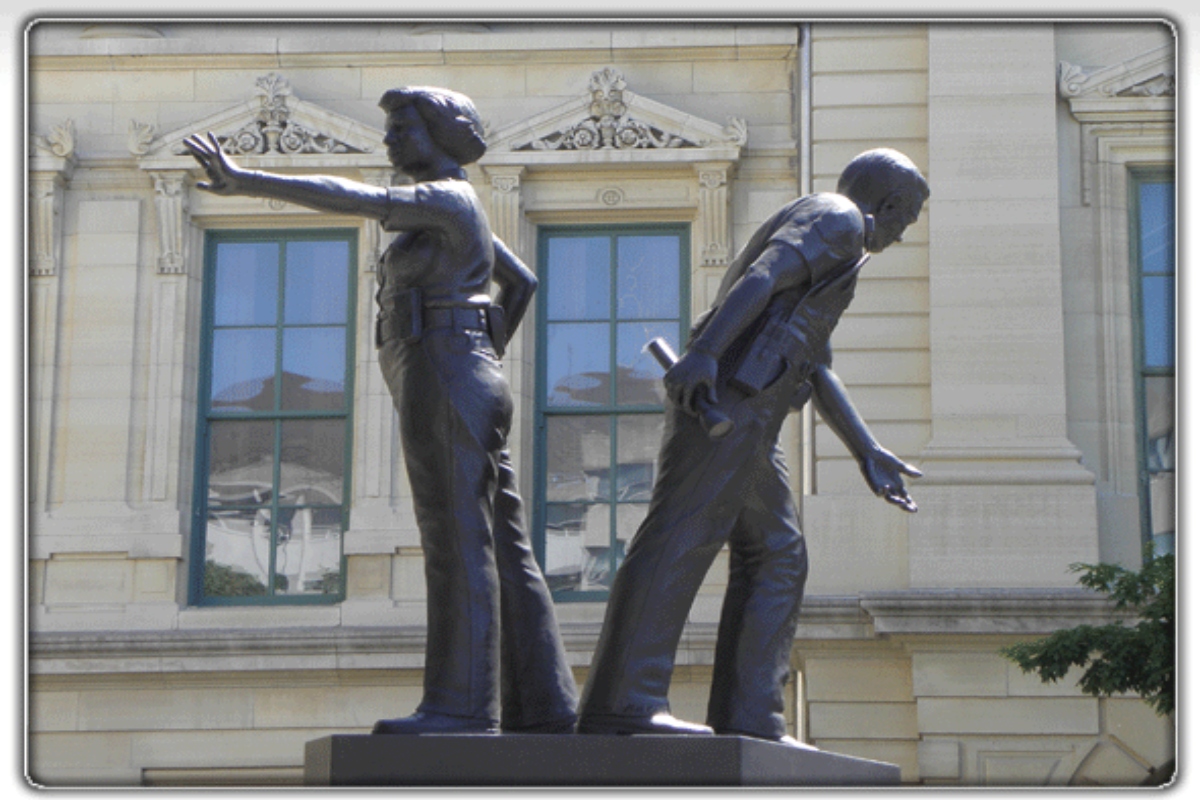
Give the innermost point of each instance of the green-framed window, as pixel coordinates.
(604, 293)
(274, 435)
(1153, 258)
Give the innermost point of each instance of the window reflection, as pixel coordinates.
(577, 364)
(312, 459)
(606, 297)
(275, 432)
(314, 369)
(648, 277)
(308, 552)
(1155, 235)
(580, 285)
(247, 283)
(315, 285)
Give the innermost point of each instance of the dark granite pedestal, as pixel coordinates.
(567, 760)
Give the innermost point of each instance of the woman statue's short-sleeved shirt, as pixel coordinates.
(444, 247)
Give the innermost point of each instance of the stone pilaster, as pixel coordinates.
(1005, 501)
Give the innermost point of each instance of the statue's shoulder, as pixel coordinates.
(836, 216)
(823, 226)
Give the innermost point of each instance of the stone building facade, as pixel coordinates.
(223, 562)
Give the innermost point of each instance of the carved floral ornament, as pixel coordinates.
(274, 131)
(613, 124)
(275, 125)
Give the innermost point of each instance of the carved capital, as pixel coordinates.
(713, 178)
(506, 184)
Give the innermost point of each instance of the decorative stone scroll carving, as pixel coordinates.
(1149, 75)
(612, 117)
(52, 164)
(140, 137)
(274, 131)
(610, 124)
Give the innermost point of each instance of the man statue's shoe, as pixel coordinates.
(426, 722)
(661, 723)
(561, 725)
(790, 741)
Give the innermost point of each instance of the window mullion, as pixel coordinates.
(613, 428)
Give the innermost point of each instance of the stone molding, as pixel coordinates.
(1133, 99)
(1126, 114)
(863, 617)
(984, 611)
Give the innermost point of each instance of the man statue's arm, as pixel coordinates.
(778, 268)
(882, 470)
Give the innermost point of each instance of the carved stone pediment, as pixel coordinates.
(1144, 85)
(611, 123)
(275, 129)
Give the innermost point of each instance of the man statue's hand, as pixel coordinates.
(224, 177)
(692, 381)
(884, 473)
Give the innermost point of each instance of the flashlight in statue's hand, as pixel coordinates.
(716, 423)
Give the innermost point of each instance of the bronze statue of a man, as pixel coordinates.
(493, 655)
(759, 351)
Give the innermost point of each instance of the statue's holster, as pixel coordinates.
(785, 341)
(409, 318)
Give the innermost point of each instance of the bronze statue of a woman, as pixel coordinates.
(494, 657)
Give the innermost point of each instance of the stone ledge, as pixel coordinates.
(236, 639)
(985, 611)
(548, 760)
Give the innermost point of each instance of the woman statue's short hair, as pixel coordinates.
(450, 117)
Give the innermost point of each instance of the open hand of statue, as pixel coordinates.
(692, 381)
(884, 474)
(223, 175)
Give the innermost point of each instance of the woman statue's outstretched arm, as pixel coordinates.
(320, 192)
